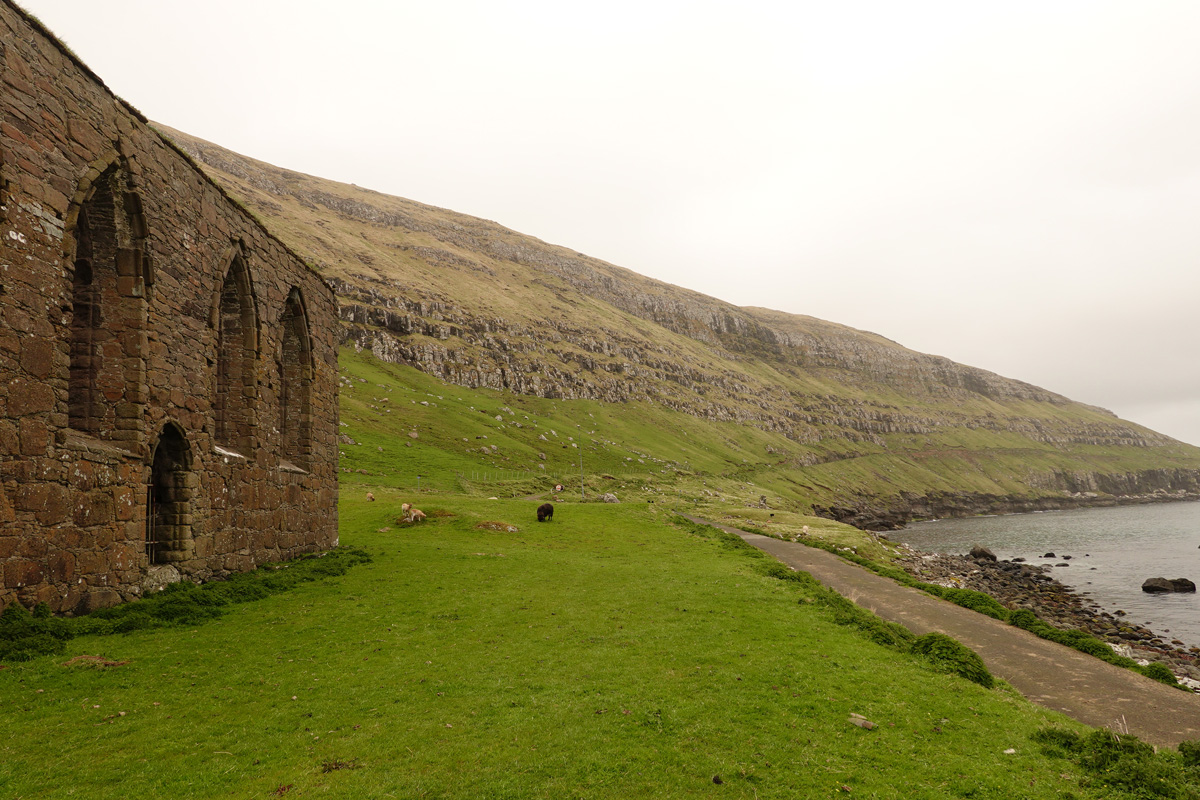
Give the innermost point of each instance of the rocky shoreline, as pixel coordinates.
(892, 514)
(1019, 585)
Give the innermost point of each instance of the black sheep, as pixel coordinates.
(545, 512)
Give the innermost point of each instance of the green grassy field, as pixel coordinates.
(613, 652)
(413, 431)
(607, 653)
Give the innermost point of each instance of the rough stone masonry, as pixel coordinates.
(168, 408)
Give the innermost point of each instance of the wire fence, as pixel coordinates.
(508, 475)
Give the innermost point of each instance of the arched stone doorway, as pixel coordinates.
(169, 499)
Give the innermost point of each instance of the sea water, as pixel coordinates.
(1112, 550)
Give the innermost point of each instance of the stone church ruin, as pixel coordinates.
(168, 408)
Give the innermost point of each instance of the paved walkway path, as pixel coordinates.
(1049, 674)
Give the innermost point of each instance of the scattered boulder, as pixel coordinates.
(1049, 555)
(1162, 585)
(158, 577)
(981, 552)
(862, 722)
(611, 498)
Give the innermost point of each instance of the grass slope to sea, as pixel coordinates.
(869, 424)
(611, 652)
(406, 429)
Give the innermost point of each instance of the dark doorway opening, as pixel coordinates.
(169, 501)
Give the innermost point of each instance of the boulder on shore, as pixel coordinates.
(981, 552)
(1160, 585)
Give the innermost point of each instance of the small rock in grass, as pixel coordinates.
(862, 722)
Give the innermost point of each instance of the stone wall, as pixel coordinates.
(168, 407)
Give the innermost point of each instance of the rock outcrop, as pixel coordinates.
(1166, 585)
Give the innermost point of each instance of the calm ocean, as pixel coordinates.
(1112, 551)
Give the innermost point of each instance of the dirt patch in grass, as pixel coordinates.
(98, 662)
(499, 527)
(430, 515)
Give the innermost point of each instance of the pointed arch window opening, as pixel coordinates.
(107, 330)
(236, 396)
(295, 383)
(85, 321)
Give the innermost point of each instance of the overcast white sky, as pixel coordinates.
(1014, 185)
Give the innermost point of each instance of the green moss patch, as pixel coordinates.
(25, 635)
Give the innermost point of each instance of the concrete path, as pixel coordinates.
(1049, 674)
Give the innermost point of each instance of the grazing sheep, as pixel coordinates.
(545, 512)
(415, 515)
(370, 497)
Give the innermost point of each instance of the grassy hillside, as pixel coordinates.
(413, 431)
(818, 413)
(613, 652)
